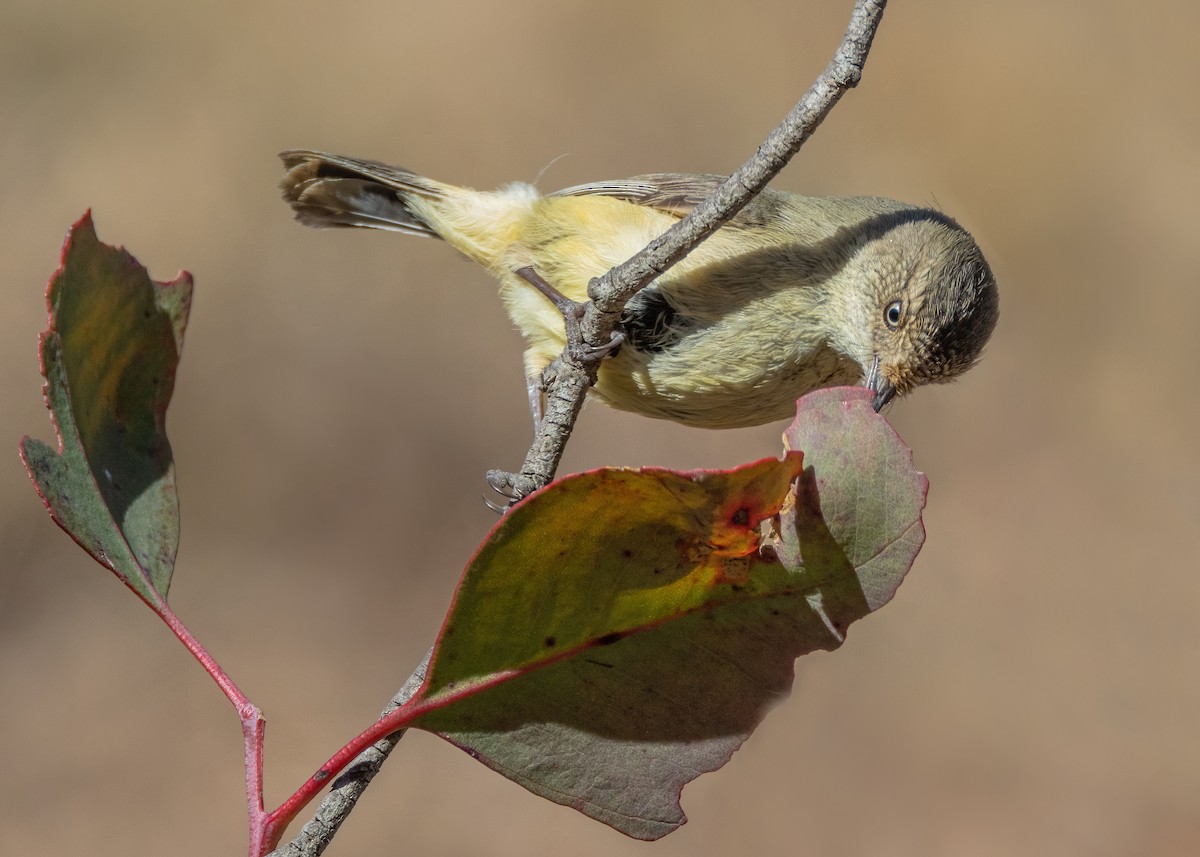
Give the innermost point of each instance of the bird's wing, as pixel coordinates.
(674, 193)
(677, 194)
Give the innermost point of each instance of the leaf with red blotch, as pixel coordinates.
(109, 358)
(622, 632)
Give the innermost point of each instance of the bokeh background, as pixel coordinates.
(1034, 688)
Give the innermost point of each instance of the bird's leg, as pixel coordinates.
(536, 387)
(572, 313)
(506, 484)
(513, 486)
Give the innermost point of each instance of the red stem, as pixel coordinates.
(254, 727)
(394, 721)
(278, 819)
(266, 829)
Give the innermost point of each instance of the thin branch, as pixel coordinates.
(319, 831)
(570, 378)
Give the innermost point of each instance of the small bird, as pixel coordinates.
(792, 294)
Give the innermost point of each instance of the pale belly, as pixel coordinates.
(719, 394)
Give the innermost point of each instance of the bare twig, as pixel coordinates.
(337, 805)
(570, 377)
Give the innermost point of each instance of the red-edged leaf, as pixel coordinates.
(109, 358)
(870, 496)
(622, 632)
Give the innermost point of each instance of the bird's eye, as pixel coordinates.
(893, 314)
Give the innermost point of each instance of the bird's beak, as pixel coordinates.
(878, 384)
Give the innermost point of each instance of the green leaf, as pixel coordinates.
(109, 358)
(622, 632)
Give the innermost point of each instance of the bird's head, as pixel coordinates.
(926, 304)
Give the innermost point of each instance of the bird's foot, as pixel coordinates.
(511, 487)
(572, 313)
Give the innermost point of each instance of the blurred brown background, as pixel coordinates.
(1034, 689)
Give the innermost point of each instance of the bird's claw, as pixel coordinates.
(582, 351)
(508, 486)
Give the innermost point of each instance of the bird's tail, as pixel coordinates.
(330, 190)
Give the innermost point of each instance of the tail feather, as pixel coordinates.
(331, 191)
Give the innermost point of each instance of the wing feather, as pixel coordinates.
(678, 193)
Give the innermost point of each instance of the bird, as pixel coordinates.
(792, 294)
